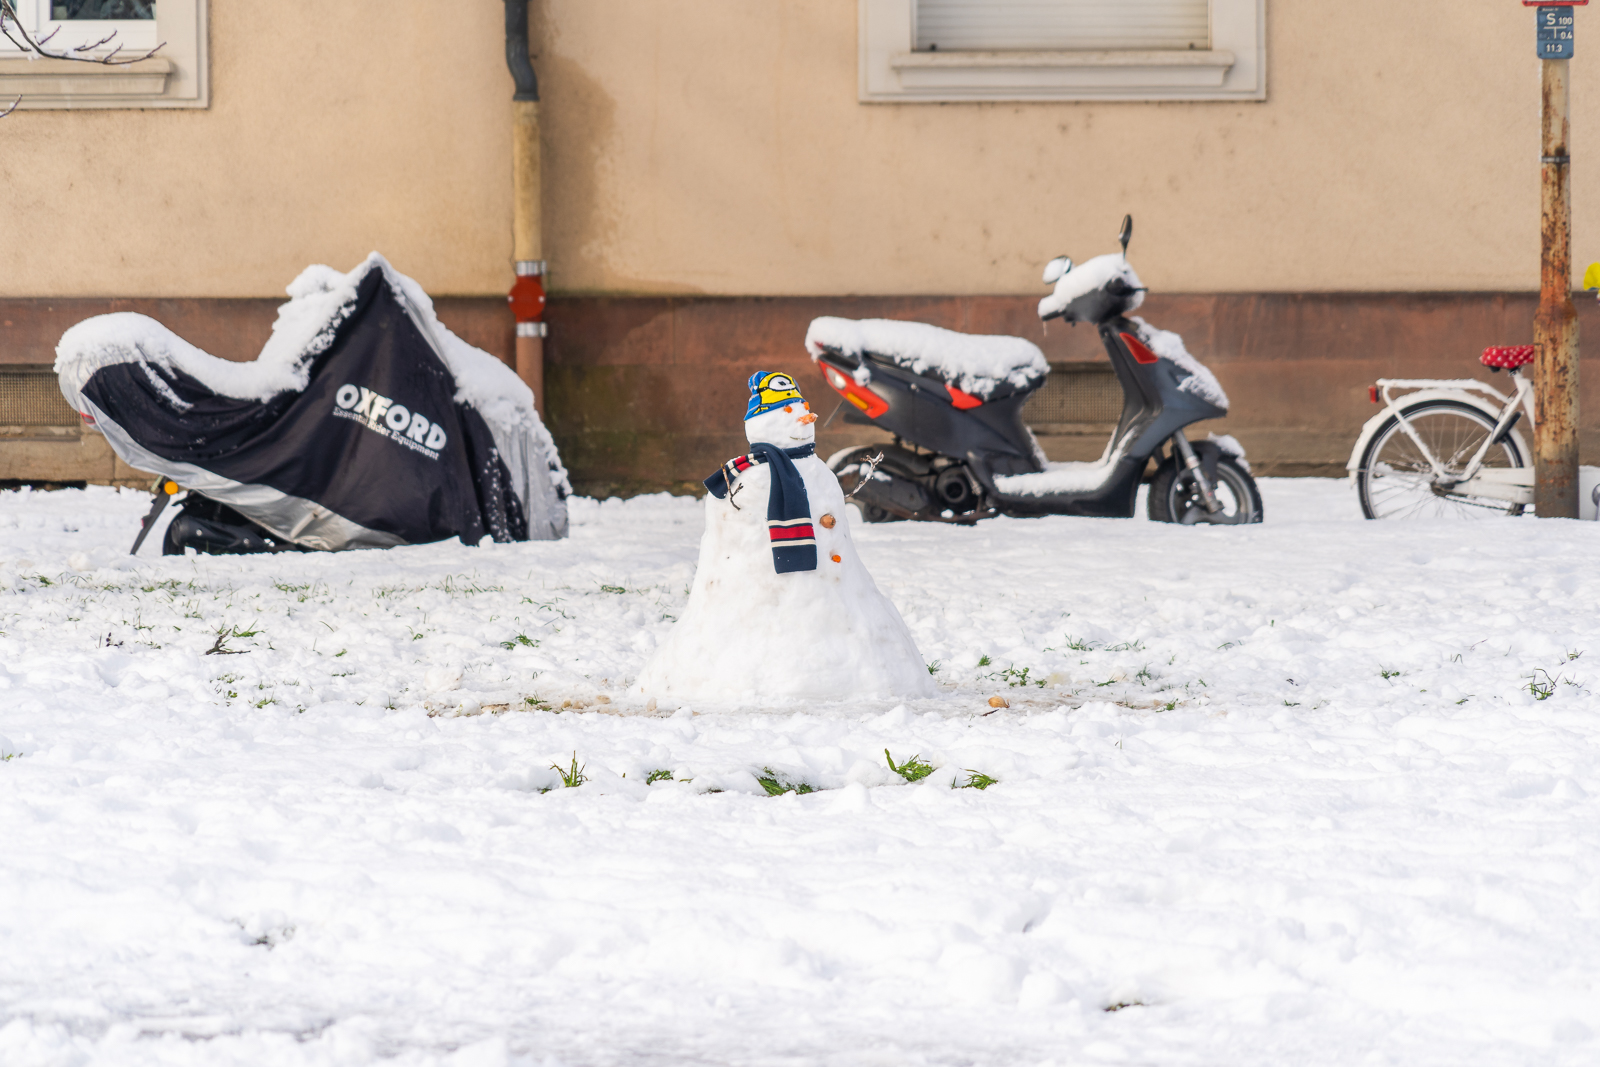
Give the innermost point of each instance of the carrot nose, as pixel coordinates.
(808, 417)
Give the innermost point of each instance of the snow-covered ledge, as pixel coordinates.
(1233, 68)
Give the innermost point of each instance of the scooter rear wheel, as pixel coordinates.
(850, 467)
(1174, 496)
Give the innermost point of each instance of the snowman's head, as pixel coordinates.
(777, 413)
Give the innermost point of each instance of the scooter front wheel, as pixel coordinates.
(1175, 496)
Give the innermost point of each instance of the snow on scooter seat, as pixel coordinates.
(751, 633)
(973, 363)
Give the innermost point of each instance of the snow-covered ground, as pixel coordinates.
(1287, 795)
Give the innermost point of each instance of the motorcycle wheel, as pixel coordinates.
(850, 467)
(1174, 496)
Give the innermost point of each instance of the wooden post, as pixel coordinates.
(1555, 326)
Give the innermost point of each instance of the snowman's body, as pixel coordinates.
(750, 633)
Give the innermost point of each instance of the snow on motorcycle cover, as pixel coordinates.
(364, 422)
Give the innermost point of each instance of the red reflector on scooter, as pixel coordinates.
(1372, 392)
(869, 403)
(1140, 353)
(962, 401)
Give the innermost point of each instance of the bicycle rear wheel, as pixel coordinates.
(1396, 480)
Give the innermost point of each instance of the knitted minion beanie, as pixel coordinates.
(771, 389)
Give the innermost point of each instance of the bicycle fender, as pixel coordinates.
(1370, 429)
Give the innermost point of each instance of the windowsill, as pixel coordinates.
(890, 71)
(1109, 71)
(40, 81)
(935, 60)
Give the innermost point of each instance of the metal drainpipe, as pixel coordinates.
(527, 294)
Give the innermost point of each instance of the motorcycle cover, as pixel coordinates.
(364, 422)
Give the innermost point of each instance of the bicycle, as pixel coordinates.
(1450, 448)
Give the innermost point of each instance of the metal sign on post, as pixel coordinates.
(1555, 30)
(1555, 325)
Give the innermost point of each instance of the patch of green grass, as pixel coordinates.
(1169, 705)
(975, 780)
(1542, 689)
(776, 785)
(7, 757)
(914, 769)
(984, 661)
(469, 589)
(933, 668)
(612, 589)
(571, 777)
(1126, 646)
(657, 775)
(1144, 677)
(1572, 655)
(536, 704)
(521, 639)
(1078, 644)
(1387, 673)
(1015, 678)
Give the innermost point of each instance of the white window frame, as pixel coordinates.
(176, 76)
(891, 71)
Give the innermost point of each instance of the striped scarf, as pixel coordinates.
(794, 542)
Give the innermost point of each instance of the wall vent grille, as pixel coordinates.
(1076, 397)
(31, 396)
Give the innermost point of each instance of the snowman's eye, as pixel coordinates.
(780, 382)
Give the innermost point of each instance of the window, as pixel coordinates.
(952, 50)
(174, 77)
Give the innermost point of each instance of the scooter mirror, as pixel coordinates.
(1054, 269)
(1126, 235)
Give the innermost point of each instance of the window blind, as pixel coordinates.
(1048, 25)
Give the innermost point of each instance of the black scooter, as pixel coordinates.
(959, 458)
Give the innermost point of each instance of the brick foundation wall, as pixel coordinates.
(647, 393)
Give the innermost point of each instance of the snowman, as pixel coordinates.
(782, 607)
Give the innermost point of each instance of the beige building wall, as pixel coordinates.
(718, 147)
(336, 127)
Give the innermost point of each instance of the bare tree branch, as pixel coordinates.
(11, 29)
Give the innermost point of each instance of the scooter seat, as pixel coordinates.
(984, 366)
(1507, 357)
